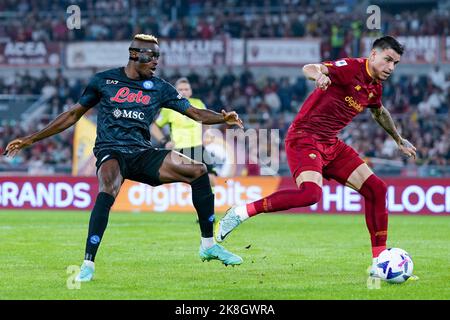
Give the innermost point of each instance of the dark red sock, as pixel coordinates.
(308, 194)
(374, 192)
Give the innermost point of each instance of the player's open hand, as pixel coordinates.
(232, 118)
(322, 82)
(16, 145)
(407, 148)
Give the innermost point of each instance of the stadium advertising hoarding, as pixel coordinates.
(405, 195)
(192, 53)
(174, 53)
(284, 52)
(96, 54)
(253, 52)
(200, 53)
(30, 54)
(47, 193)
(418, 49)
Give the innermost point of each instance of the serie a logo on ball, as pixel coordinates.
(394, 265)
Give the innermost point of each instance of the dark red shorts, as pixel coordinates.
(334, 160)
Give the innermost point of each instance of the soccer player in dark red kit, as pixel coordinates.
(345, 88)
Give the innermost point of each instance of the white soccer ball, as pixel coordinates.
(394, 265)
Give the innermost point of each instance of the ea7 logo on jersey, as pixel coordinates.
(112, 81)
(340, 63)
(128, 114)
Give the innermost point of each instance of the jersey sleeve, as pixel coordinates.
(163, 118)
(91, 94)
(197, 103)
(340, 71)
(172, 99)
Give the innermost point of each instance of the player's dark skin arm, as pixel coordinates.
(61, 123)
(109, 176)
(206, 116)
(384, 119)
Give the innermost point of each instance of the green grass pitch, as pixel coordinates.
(155, 256)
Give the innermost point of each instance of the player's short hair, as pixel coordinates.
(182, 80)
(146, 38)
(388, 42)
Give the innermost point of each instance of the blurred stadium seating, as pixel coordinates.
(266, 96)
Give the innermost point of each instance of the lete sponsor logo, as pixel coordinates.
(124, 95)
(45, 195)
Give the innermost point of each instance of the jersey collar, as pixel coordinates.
(369, 76)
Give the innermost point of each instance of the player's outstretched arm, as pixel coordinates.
(61, 123)
(210, 117)
(318, 73)
(384, 119)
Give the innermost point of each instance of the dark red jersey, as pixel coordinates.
(326, 113)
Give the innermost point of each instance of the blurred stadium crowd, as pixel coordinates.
(334, 21)
(419, 103)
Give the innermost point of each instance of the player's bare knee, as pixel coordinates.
(110, 189)
(359, 176)
(199, 170)
(310, 176)
(110, 185)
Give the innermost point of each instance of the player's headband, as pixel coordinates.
(145, 55)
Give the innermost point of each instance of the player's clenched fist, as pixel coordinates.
(232, 118)
(323, 81)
